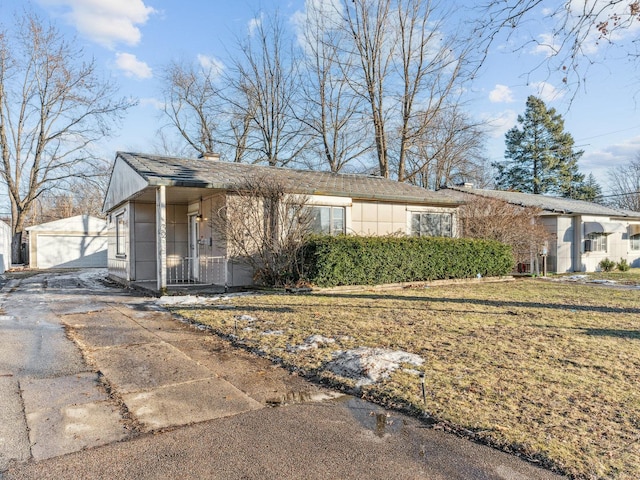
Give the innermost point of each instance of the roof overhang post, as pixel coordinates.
(161, 239)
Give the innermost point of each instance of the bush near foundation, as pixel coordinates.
(352, 260)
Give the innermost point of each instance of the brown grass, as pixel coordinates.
(549, 370)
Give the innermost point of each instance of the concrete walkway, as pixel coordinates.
(84, 366)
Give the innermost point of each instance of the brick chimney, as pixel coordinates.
(210, 156)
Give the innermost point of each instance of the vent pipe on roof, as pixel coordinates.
(465, 185)
(210, 156)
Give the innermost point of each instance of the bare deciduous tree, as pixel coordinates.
(494, 219)
(448, 151)
(52, 108)
(577, 27)
(81, 196)
(372, 47)
(409, 67)
(625, 185)
(264, 86)
(192, 104)
(266, 227)
(333, 113)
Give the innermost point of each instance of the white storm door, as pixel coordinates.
(194, 250)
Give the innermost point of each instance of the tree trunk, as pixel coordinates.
(16, 248)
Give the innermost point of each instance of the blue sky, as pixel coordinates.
(132, 39)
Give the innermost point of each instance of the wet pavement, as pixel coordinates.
(98, 382)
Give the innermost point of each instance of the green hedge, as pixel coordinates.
(351, 260)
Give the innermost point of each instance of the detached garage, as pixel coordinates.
(74, 242)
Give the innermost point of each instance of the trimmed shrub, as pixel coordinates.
(607, 265)
(352, 260)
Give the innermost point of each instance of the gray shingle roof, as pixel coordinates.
(203, 173)
(547, 203)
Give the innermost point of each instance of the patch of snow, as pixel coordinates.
(575, 278)
(311, 342)
(369, 365)
(273, 332)
(319, 339)
(246, 318)
(603, 282)
(199, 300)
(301, 348)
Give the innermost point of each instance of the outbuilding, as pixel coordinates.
(5, 247)
(74, 242)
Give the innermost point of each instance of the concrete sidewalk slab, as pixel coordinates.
(44, 393)
(14, 441)
(107, 328)
(58, 431)
(68, 413)
(257, 377)
(132, 368)
(187, 403)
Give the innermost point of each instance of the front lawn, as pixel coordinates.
(550, 370)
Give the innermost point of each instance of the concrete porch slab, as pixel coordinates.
(186, 403)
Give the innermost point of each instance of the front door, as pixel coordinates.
(194, 250)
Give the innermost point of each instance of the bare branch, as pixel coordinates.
(52, 108)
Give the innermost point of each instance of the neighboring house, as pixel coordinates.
(158, 206)
(5, 247)
(583, 233)
(73, 242)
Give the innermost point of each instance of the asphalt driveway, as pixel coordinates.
(99, 382)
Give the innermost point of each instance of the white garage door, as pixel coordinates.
(70, 251)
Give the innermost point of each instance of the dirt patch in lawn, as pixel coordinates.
(548, 370)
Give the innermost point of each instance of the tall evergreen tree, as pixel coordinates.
(540, 155)
(588, 190)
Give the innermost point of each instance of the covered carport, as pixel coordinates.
(74, 242)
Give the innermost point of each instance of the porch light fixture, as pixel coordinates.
(199, 218)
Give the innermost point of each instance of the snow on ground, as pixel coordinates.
(196, 299)
(90, 278)
(369, 365)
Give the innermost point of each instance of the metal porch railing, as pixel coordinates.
(201, 270)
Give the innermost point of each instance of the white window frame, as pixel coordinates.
(440, 233)
(332, 217)
(121, 236)
(598, 242)
(634, 242)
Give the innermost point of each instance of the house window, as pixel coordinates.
(120, 235)
(425, 224)
(327, 220)
(597, 242)
(635, 241)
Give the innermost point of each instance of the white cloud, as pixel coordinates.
(498, 124)
(106, 22)
(547, 45)
(546, 92)
(152, 102)
(211, 64)
(603, 160)
(132, 67)
(501, 94)
(254, 24)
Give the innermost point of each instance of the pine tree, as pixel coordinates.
(540, 155)
(588, 190)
